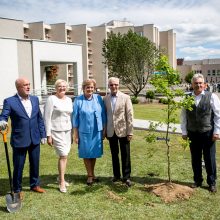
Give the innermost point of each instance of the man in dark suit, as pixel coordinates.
(27, 132)
(119, 129)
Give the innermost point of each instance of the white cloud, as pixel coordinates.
(200, 52)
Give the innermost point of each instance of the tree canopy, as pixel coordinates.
(131, 58)
(189, 76)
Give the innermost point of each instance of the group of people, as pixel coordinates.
(92, 118)
(87, 122)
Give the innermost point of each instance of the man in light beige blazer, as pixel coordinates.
(119, 129)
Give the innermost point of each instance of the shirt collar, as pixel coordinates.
(202, 93)
(116, 95)
(23, 98)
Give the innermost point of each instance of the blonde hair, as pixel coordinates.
(88, 82)
(59, 81)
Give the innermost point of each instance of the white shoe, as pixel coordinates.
(63, 190)
(66, 183)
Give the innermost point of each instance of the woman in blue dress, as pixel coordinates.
(89, 121)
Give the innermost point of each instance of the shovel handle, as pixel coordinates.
(4, 134)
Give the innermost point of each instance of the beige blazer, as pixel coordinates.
(121, 120)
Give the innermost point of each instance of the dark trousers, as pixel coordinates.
(19, 157)
(201, 143)
(124, 144)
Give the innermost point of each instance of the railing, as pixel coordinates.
(44, 92)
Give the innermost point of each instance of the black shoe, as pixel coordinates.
(212, 189)
(128, 183)
(96, 180)
(89, 181)
(116, 179)
(196, 185)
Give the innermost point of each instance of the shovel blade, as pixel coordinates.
(13, 202)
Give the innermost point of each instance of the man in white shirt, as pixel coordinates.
(202, 127)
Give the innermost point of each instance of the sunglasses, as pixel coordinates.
(113, 84)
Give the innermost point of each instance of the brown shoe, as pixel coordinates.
(20, 195)
(38, 189)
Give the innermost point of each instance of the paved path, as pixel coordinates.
(144, 125)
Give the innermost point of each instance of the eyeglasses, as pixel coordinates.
(113, 84)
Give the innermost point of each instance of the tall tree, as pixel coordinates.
(131, 58)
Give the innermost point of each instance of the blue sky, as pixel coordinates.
(195, 22)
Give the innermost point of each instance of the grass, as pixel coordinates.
(154, 112)
(105, 200)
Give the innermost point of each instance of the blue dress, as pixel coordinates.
(90, 118)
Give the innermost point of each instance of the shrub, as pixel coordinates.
(163, 101)
(150, 94)
(134, 100)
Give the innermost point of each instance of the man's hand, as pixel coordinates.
(3, 125)
(215, 137)
(129, 137)
(43, 141)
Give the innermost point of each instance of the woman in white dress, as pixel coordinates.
(57, 118)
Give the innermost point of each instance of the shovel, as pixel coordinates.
(13, 200)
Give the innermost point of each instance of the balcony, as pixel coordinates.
(90, 51)
(89, 40)
(90, 63)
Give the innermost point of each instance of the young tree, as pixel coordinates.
(164, 83)
(131, 58)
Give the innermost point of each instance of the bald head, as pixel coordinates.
(23, 87)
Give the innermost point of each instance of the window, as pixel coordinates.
(140, 33)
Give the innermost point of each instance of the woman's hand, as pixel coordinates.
(103, 133)
(50, 141)
(76, 139)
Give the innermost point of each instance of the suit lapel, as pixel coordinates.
(21, 105)
(117, 101)
(110, 103)
(33, 105)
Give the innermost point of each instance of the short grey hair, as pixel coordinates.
(113, 79)
(197, 76)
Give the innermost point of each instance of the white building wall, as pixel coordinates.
(56, 52)
(8, 68)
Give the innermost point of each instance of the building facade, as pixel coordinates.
(91, 39)
(210, 68)
(21, 56)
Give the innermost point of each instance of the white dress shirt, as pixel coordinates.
(113, 101)
(215, 105)
(27, 105)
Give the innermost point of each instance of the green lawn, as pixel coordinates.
(105, 200)
(153, 112)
